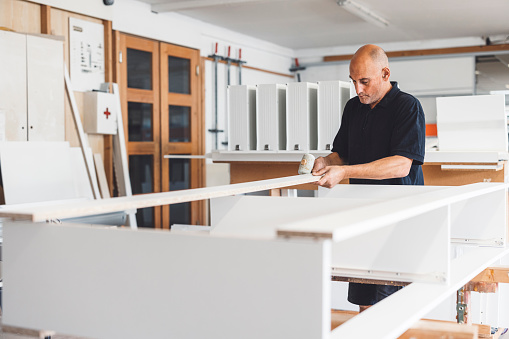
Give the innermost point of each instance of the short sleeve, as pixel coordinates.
(409, 134)
(340, 144)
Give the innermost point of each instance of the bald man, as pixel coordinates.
(380, 142)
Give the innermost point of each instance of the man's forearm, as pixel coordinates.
(387, 168)
(333, 159)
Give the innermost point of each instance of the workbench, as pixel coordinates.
(439, 169)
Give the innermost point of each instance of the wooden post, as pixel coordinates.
(45, 19)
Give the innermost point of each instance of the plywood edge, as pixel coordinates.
(496, 274)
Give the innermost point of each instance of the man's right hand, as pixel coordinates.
(320, 163)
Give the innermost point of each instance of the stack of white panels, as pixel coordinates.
(301, 116)
(241, 118)
(271, 117)
(472, 123)
(332, 98)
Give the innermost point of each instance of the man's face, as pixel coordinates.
(368, 80)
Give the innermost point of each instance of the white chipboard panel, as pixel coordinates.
(13, 84)
(45, 71)
(36, 172)
(271, 117)
(161, 285)
(332, 98)
(472, 123)
(301, 116)
(413, 236)
(241, 117)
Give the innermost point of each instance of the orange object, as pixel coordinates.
(431, 130)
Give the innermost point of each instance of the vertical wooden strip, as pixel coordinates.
(45, 19)
(108, 77)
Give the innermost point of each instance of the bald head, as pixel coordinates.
(371, 54)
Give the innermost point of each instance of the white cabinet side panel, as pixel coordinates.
(36, 171)
(331, 101)
(45, 65)
(241, 112)
(301, 115)
(154, 284)
(270, 116)
(13, 84)
(472, 123)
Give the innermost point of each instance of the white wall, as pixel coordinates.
(425, 78)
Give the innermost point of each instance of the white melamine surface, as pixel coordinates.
(472, 123)
(45, 72)
(465, 157)
(271, 117)
(332, 98)
(36, 171)
(353, 223)
(241, 117)
(13, 85)
(301, 116)
(423, 239)
(117, 283)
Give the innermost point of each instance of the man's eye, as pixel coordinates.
(364, 82)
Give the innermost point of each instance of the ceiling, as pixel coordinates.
(302, 24)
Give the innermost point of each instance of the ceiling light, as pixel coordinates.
(363, 13)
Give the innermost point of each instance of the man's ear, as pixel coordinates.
(386, 73)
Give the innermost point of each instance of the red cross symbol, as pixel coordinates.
(107, 113)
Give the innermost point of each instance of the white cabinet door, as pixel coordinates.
(13, 85)
(45, 70)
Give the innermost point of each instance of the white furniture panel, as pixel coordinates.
(301, 116)
(332, 98)
(36, 171)
(271, 117)
(480, 220)
(100, 282)
(435, 76)
(241, 118)
(472, 123)
(424, 239)
(13, 84)
(45, 73)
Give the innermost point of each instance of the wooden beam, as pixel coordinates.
(433, 51)
(370, 281)
(109, 67)
(497, 274)
(423, 329)
(45, 19)
(93, 207)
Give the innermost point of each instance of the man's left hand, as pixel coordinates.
(331, 176)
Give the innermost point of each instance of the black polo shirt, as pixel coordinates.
(396, 126)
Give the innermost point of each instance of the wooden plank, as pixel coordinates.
(433, 51)
(498, 274)
(424, 297)
(101, 176)
(149, 200)
(369, 281)
(153, 292)
(82, 137)
(45, 19)
(424, 328)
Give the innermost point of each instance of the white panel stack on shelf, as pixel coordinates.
(332, 98)
(271, 117)
(301, 116)
(241, 118)
(472, 123)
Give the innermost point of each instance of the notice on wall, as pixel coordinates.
(86, 54)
